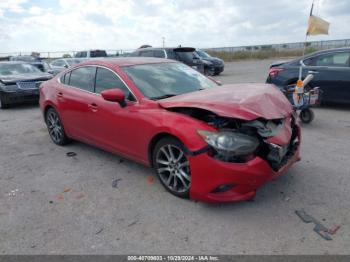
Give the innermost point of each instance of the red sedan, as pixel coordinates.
(206, 142)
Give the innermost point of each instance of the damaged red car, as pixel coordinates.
(206, 142)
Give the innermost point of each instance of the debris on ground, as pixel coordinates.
(51, 202)
(13, 192)
(287, 199)
(99, 231)
(60, 197)
(115, 182)
(133, 223)
(319, 228)
(80, 195)
(150, 179)
(71, 154)
(67, 189)
(333, 229)
(37, 154)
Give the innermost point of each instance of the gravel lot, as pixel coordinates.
(54, 204)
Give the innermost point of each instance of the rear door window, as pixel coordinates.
(146, 53)
(159, 53)
(83, 78)
(98, 53)
(331, 60)
(186, 57)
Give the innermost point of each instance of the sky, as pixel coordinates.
(73, 25)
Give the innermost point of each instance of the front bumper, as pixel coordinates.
(219, 69)
(207, 174)
(19, 96)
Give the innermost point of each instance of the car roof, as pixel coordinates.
(14, 62)
(184, 48)
(328, 51)
(126, 61)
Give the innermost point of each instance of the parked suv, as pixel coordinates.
(91, 54)
(212, 65)
(185, 55)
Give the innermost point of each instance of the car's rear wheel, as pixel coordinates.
(55, 127)
(172, 166)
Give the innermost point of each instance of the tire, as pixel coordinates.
(2, 104)
(55, 128)
(206, 71)
(306, 115)
(172, 166)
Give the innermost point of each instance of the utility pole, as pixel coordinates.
(163, 40)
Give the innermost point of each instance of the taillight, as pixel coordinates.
(274, 71)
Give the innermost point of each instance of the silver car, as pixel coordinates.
(59, 65)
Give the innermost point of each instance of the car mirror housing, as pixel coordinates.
(114, 95)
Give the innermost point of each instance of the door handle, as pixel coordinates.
(93, 107)
(313, 72)
(59, 94)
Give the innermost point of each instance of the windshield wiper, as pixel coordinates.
(163, 96)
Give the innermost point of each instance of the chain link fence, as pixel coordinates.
(292, 49)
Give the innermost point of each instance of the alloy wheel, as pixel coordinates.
(55, 127)
(173, 168)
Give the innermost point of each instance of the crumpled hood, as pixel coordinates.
(12, 79)
(243, 101)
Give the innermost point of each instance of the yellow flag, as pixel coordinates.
(317, 26)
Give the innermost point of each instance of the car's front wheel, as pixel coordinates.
(3, 105)
(55, 127)
(172, 166)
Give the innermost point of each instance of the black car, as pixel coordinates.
(185, 55)
(212, 65)
(19, 82)
(35, 61)
(331, 70)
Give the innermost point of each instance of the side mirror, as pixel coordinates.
(114, 95)
(65, 66)
(50, 71)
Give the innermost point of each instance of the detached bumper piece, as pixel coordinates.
(277, 156)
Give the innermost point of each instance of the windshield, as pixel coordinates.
(202, 54)
(14, 69)
(163, 80)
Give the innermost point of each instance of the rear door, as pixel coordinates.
(332, 74)
(76, 102)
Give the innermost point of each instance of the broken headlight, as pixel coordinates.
(230, 144)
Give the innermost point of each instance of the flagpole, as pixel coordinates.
(306, 35)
